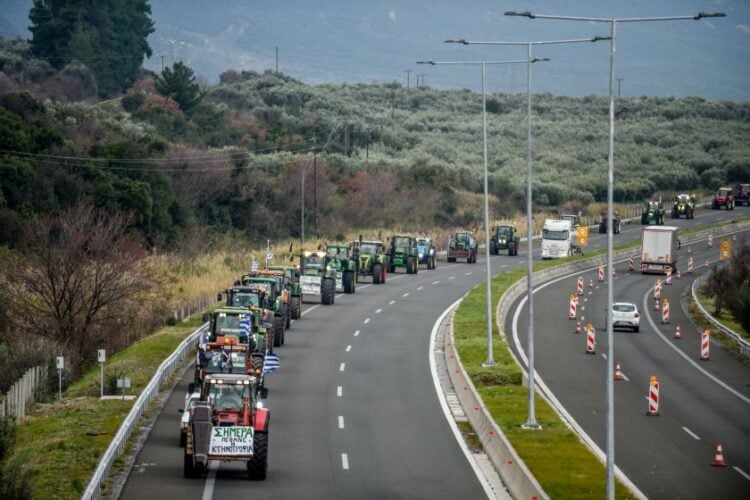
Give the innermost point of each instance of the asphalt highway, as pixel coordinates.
(701, 402)
(353, 410)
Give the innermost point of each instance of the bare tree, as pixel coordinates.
(80, 273)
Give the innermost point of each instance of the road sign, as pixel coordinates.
(102, 355)
(60, 363)
(582, 233)
(725, 249)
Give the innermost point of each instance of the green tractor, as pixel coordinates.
(238, 322)
(652, 213)
(316, 278)
(340, 257)
(293, 287)
(683, 206)
(371, 260)
(259, 294)
(283, 288)
(426, 253)
(403, 253)
(505, 238)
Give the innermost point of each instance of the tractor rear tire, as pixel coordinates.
(188, 467)
(287, 315)
(278, 331)
(257, 467)
(348, 280)
(327, 291)
(295, 305)
(410, 267)
(377, 274)
(511, 248)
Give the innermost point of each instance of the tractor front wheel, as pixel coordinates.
(257, 467)
(327, 291)
(493, 247)
(410, 267)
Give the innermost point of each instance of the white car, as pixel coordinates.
(190, 400)
(626, 315)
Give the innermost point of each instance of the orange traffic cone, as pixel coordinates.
(677, 334)
(618, 372)
(719, 457)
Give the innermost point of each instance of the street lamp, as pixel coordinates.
(610, 181)
(490, 357)
(531, 422)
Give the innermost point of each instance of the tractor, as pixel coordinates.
(742, 194)
(226, 355)
(723, 198)
(283, 287)
(652, 213)
(293, 286)
(371, 260)
(505, 238)
(239, 322)
(340, 257)
(227, 424)
(426, 252)
(316, 278)
(263, 293)
(684, 205)
(616, 222)
(463, 246)
(403, 253)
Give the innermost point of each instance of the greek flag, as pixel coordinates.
(269, 254)
(271, 363)
(255, 264)
(245, 325)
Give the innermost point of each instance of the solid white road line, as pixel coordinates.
(356, 334)
(686, 357)
(742, 472)
(378, 311)
(446, 409)
(367, 320)
(345, 461)
(339, 391)
(342, 367)
(348, 348)
(691, 434)
(341, 421)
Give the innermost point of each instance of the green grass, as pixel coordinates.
(61, 442)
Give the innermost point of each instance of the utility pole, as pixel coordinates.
(315, 188)
(619, 81)
(277, 60)
(163, 61)
(408, 78)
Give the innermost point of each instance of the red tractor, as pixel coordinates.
(723, 198)
(227, 424)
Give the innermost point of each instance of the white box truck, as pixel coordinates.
(557, 237)
(659, 249)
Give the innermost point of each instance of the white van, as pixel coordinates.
(556, 239)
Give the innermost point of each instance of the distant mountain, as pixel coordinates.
(378, 40)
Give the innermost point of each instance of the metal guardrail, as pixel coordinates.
(142, 403)
(743, 344)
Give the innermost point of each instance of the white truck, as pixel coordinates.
(557, 238)
(659, 245)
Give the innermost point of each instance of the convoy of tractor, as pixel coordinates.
(223, 418)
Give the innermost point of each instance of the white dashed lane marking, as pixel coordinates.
(339, 391)
(348, 348)
(420, 287)
(435, 282)
(378, 311)
(406, 294)
(342, 367)
(391, 302)
(452, 278)
(691, 434)
(367, 320)
(344, 461)
(341, 422)
(356, 334)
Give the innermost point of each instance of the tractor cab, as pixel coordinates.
(236, 322)
(244, 296)
(231, 396)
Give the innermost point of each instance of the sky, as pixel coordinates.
(381, 41)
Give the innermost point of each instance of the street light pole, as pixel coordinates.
(490, 361)
(531, 422)
(610, 421)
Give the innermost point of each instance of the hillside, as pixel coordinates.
(386, 155)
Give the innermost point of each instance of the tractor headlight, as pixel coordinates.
(420, 255)
(432, 251)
